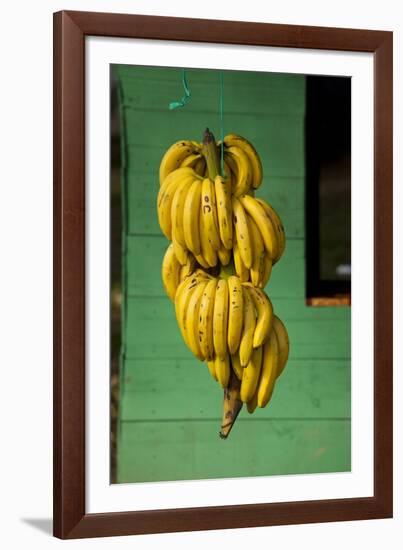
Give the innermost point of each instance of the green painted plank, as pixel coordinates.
(154, 451)
(285, 194)
(184, 389)
(314, 332)
(287, 279)
(155, 77)
(144, 260)
(145, 254)
(205, 98)
(278, 141)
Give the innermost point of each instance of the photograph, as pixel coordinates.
(221, 189)
(201, 284)
(230, 274)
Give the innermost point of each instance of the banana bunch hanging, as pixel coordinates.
(224, 243)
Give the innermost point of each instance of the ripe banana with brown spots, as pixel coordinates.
(234, 140)
(171, 271)
(235, 315)
(250, 375)
(205, 328)
(264, 310)
(220, 319)
(175, 156)
(264, 223)
(224, 210)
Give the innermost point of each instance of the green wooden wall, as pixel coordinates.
(170, 408)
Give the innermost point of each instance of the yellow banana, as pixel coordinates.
(207, 250)
(257, 269)
(254, 159)
(205, 328)
(250, 375)
(217, 243)
(224, 210)
(201, 260)
(252, 404)
(268, 374)
(166, 195)
(180, 252)
(236, 365)
(240, 268)
(224, 255)
(211, 368)
(200, 166)
(183, 295)
(222, 369)
(283, 344)
(191, 217)
(220, 319)
(264, 314)
(209, 213)
(263, 222)
(242, 232)
(231, 169)
(194, 279)
(192, 320)
(248, 331)
(235, 315)
(277, 224)
(177, 209)
(268, 264)
(170, 272)
(243, 170)
(176, 174)
(174, 156)
(191, 160)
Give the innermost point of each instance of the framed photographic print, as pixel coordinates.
(223, 274)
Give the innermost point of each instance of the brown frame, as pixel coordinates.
(70, 517)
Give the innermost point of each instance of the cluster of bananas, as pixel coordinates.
(204, 219)
(224, 244)
(241, 161)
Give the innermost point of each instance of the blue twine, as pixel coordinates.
(182, 102)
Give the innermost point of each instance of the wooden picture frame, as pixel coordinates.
(70, 517)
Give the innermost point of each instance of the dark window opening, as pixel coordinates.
(328, 187)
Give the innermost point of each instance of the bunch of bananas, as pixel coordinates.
(224, 244)
(202, 218)
(241, 161)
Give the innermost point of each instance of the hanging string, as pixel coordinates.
(182, 102)
(222, 120)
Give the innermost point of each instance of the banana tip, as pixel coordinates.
(226, 428)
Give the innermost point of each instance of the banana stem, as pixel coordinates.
(232, 399)
(227, 270)
(232, 405)
(210, 153)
